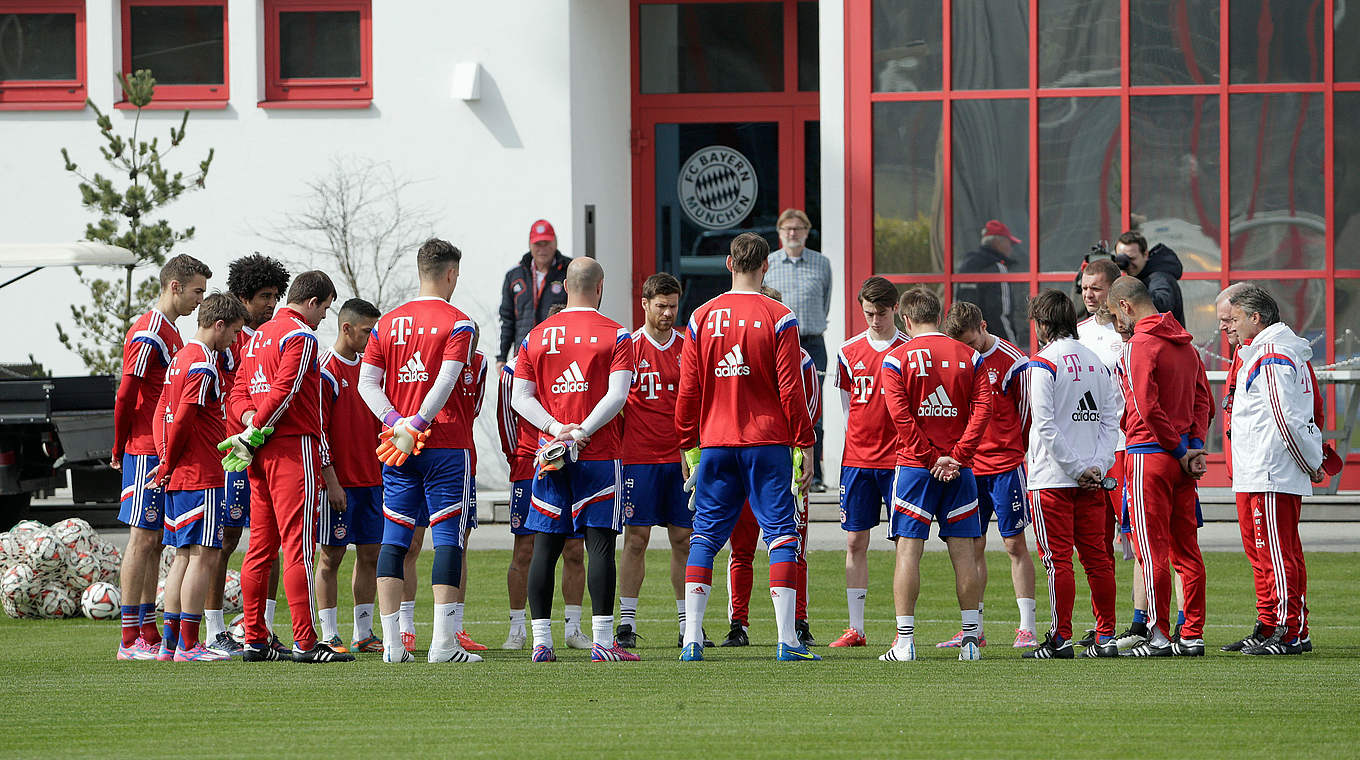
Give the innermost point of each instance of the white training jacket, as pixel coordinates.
(1109, 346)
(1274, 435)
(1074, 415)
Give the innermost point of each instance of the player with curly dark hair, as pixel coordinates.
(258, 281)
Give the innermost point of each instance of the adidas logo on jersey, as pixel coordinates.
(413, 371)
(859, 365)
(1087, 409)
(732, 365)
(258, 382)
(937, 404)
(571, 381)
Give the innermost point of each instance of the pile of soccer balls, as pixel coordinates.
(59, 571)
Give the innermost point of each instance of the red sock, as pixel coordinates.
(150, 631)
(188, 630)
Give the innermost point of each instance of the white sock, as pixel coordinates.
(970, 622)
(1026, 614)
(212, 620)
(363, 621)
(542, 632)
(855, 597)
(391, 629)
(330, 625)
(269, 606)
(696, 601)
(680, 613)
(572, 620)
(458, 608)
(785, 601)
(979, 633)
(517, 621)
(628, 611)
(602, 626)
(906, 632)
(445, 618)
(408, 617)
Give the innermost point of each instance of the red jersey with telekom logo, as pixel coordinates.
(192, 378)
(519, 439)
(465, 403)
(1004, 442)
(649, 435)
(938, 396)
(229, 362)
(870, 435)
(569, 357)
(150, 345)
(409, 345)
(350, 427)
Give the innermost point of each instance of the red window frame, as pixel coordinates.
(48, 94)
(317, 93)
(859, 196)
(179, 96)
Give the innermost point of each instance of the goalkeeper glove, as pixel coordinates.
(405, 438)
(691, 483)
(241, 447)
(553, 456)
(797, 470)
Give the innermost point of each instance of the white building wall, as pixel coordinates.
(831, 52)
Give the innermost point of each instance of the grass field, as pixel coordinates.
(64, 695)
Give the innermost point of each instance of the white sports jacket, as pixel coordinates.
(1274, 435)
(1074, 415)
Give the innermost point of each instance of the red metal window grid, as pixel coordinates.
(178, 96)
(48, 95)
(342, 92)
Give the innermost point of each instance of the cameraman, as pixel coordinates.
(1160, 270)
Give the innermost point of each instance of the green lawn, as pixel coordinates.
(64, 694)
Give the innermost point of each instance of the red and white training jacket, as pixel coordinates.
(1274, 434)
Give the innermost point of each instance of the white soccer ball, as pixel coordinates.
(167, 559)
(11, 549)
(237, 629)
(22, 528)
(75, 533)
(18, 588)
(101, 601)
(232, 600)
(10, 608)
(160, 596)
(46, 555)
(82, 569)
(55, 602)
(110, 561)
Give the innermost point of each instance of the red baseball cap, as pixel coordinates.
(541, 230)
(1331, 462)
(995, 227)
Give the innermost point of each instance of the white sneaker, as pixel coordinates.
(453, 653)
(969, 650)
(905, 653)
(397, 654)
(515, 639)
(578, 640)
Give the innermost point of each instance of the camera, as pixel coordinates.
(1101, 250)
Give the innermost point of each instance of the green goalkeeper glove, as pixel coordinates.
(241, 447)
(692, 464)
(797, 470)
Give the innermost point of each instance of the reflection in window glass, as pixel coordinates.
(1173, 42)
(1348, 341)
(1079, 173)
(1346, 136)
(1175, 175)
(37, 46)
(712, 47)
(1079, 43)
(1347, 23)
(907, 188)
(995, 36)
(808, 26)
(320, 45)
(812, 181)
(180, 44)
(1276, 199)
(908, 40)
(991, 173)
(1275, 41)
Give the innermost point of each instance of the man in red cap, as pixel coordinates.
(994, 298)
(532, 287)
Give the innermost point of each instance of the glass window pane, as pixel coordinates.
(812, 180)
(1173, 42)
(994, 39)
(1346, 135)
(908, 42)
(1175, 173)
(712, 47)
(37, 46)
(907, 192)
(808, 29)
(1276, 162)
(1201, 320)
(1079, 43)
(1079, 171)
(1275, 41)
(320, 45)
(180, 44)
(991, 175)
(1347, 23)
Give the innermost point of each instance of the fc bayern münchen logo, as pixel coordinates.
(717, 187)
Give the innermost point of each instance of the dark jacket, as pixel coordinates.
(1161, 274)
(519, 311)
(990, 296)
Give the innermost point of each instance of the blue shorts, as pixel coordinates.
(918, 499)
(140, 507)
(194, 518)
(360, 523)
(654, 494)
(433, 486)
(865, 491)
(520, 493)
(472, 504)
(1005, 495)
(581, 495)
(238, 500)
(729, 477)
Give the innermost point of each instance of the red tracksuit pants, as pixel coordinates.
(1065, 518)
(1115, 499)
(285, 489)
(740, 572)
(1270, 536)
(1166, 535)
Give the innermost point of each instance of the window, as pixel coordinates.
(42, 55)
(318, 53)
(183, 43)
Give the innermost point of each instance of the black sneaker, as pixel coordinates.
(1097, 649)
(274, 643)
(1148, 649)
(1089, 639)
(1259, 633)
(223, 642)
(1306, 643)
(322, 652)
(680, 639)
(1275, 645)
(804, 633)
(1053, 648)
(264, 653)
(1182, 647)
(736, 637)
(1136, 635)
(626, 636)
(707, 641)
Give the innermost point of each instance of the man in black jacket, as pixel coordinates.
(531, 288)
(995, 299)
(1160, 270)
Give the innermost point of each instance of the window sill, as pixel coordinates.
(43, 106)
(315, 104)
(175, 105)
